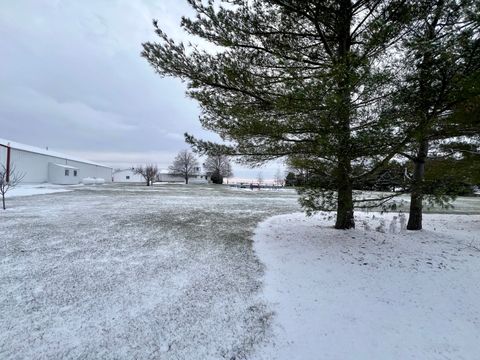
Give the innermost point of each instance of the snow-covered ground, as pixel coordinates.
(361, 294)
(170, 272)
(37, 189)
(133, 272)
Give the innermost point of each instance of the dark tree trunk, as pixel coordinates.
(416, 197)
(186, 179)
(416, 210)
(148, 182)
(3, 202)
(345, 218)
(425, 90)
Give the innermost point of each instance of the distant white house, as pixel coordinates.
(127, 176)
(198, 177)
(164, 175)
(41, 166)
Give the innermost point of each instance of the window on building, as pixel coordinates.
(67, 172)
(127, 177)
(75, 173)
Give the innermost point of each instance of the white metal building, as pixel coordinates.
(40, 165)
(127, 176)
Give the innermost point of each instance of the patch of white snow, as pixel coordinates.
(363, 294)
(36, 189)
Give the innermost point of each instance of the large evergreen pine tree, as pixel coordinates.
(441, 86)
(287, 78)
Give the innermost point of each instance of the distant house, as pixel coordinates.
(127, 176)
(41, 165)
(167, 176)
(164, 175)
(197, 178)
(200, 177)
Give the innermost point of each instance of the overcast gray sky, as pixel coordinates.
(72, 79)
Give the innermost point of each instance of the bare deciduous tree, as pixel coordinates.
(184, 164)
(260, 178)
(219, 167)
(278, 180)
(149, 172)
(8, 180)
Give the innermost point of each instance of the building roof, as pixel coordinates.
(65, 166)
(36, 150)
(123, 170)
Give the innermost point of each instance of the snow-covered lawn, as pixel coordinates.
(170, 272)
(37, 189)
(133, 272)
(362, 294)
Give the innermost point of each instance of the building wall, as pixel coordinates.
(199, 179)
(193, 179)
(92, 171)
(121, 177)
(3, 156)
(35, 166)
(57, 175)
(170, 178)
